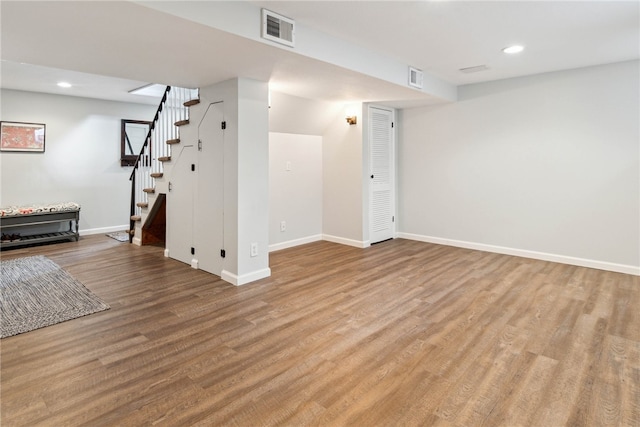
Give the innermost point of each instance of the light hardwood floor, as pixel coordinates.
(400, 334)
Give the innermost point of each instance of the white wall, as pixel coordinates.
(298, 129)
(330, 182)
(301, 116)
(545, 166)
(342, 217)
(81, 161)
(295, 189)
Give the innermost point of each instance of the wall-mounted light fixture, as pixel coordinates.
(351, 113)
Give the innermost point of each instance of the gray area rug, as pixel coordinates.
(36, 292)
(120, 236)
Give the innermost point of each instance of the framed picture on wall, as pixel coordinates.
(133, 135)
(18, 136)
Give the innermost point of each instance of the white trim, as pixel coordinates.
(90, 231)
(194, 263)
(245, 278)
(295, 242)
(166, 253)
(348, 242)
(562, 259)
(136, 241)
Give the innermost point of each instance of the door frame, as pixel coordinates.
(367, 172)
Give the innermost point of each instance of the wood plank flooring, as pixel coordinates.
(400, 334)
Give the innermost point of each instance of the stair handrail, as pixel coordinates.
(132, 177)
(153, 125)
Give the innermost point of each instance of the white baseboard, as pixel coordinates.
(348, 242)
(316, 238)
(295, 242)
(105, 230)
(245, 278)
(562, 259)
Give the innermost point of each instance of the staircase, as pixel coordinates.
(148, 180)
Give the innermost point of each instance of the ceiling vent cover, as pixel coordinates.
(474, 69)
(278, 28)
(415, 77)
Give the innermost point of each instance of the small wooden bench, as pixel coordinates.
(24, 217)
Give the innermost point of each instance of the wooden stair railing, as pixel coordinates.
(172, 112)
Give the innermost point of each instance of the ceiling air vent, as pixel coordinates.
(278, 28)
(474, 69)
(415, 77)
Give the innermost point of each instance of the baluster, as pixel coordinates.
(158, 131)
(185, 95)
(138, 188)
(135, 190)
(173, 114)
(167, 125)
(147, 178)
(186, 98)
(167, 117)
(177, 105)
(154, 153)
(157, 151)
(163, 127)
(143, 171)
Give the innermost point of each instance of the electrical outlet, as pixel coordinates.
(283, 226)
(254, 249)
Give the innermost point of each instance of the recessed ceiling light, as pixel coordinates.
(513, 49)
(64, 84)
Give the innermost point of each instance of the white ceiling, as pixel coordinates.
(108, 48)
(440, 37)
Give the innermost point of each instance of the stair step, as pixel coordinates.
(173, 141)
(136, 217)
(191, 102)
(164, 159)
(181, 122)
(149, 190)
(142, 204)
(157, 175)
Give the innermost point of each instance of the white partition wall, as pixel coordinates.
(295, 189)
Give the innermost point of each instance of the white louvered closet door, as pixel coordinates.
(382, 176)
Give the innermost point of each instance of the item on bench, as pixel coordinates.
(39, 208)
